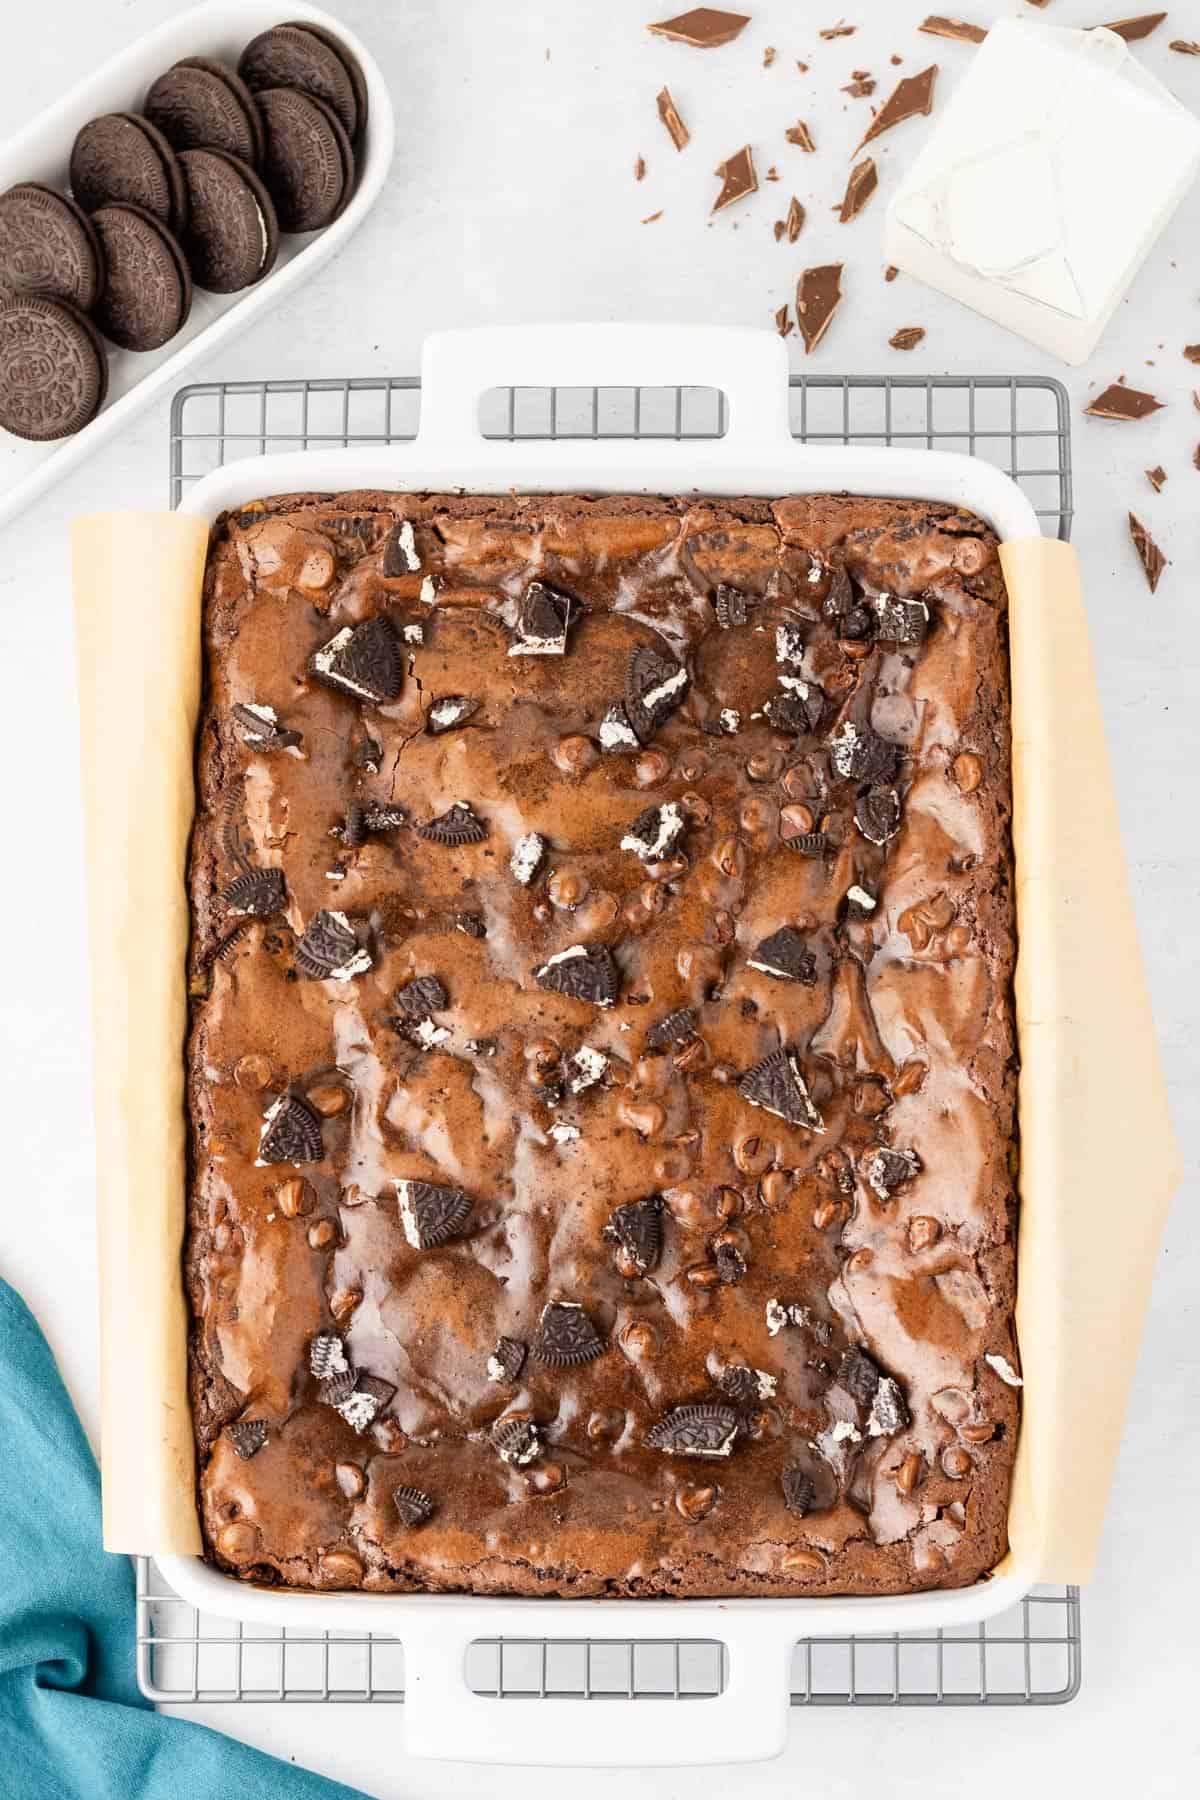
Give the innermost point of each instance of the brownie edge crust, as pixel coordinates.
(601, 1073)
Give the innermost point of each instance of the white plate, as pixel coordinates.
(758, 455)
(42, 151)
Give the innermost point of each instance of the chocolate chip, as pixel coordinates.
(291, 1133)
(653, 833)
(786, 956)
(259, 893)
(637, 1228)
(731, 605)
(260, 728)
(901, 621)
(458, 825)
(799, 1490)
(542, 620)
(247, 1436)
(877, 815)
(422, 996)
(329, 949)
(654, 686)
(812, 844)
(887, 1169)
(414, 1506)
(705, 1430)
(516, 1440)
(367, 1399)
(327, 1355)
(860, 754)
(583, 972)
(799, 707)
(363, 660)
(507, 1359)
(675, 1028)
(454, 710)
(566, 1336)
(776, 1085)
(429, 1214)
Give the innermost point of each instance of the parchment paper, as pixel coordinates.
(1098, 1160)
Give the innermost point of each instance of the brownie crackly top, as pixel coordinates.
(601, 1074)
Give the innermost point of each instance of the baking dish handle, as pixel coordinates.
(749, 367)
(747, 1722)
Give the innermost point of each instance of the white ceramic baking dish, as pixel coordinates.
(757, 455)
(41, 152)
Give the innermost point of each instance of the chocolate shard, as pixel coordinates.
(887, 1169)
(900, 621)
(1153, 560)
(291, 1133)
(793, 225)
(654, 686)
(777, 1086)
(1157, 478)
(413, 1505)
(1133, 30)
(737, 178)
(910, 97)
(582, 972)
(543, 618)
(732, 606)
(907, 338)
(637, 1228)
(507, 1359)
(859, 754)
(1124, 403)
(668, 112)
(862, 182)
(516, 1440)
(327, 1355)
(452, 710)
(800, 135)
(655, 831)
(861, 87)
(259, 727)
(703, 27)
(958, 29)
(423, 995)
(566, 1336)
(798, 708)
(877, 815)
(1185, 46)
(818, 294)
(705, 1430)
(786, 956)
(363, 660)
(259, 893)
(365, 1402)
(840, 30)
(431, 1215)
(459, 824)
(799, 1490)
(247, 1436)
(400, 554)
(676, 1028)
(329, 949)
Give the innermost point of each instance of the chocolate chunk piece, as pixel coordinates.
(704, 27)
(799, 707)
(907, 338)
(616, 733)
(732, 606)
(957, 29)
(800, 135)
(777, 1086)
(1124, 403)
(528, 854)
(1153, 560)
(877, 815)
(247, 1436)
(668, 112)
(543, 618)
(737, 178)
(291, 1133)
(637, 1228)
(818, 295)
(887, 1169)
(259, 727)
(363, 660)
(566, 1336)
(413, 1505)
(48, 249)
(259, 893)
(676, 1028)
(900, 621)
(1133, 30)
(583, 972)
(860, 754)
(431, 1215)
(653, 833)
(812, 844)
(458, 825)
(53, 367)
(799, 1490)
(911, 96)
(329, 949)
(516, 1439)
(423, 995)
(365, 1402)
(445, 714)
(862, 182)
(793, 225)
(786, 956)
(327, 1355)
(654, 686)
(705, 1430)
(507, 1359)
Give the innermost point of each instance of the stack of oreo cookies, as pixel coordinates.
(194, 189)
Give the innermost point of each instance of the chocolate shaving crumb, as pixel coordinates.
(1121, 402)
(837, 31)
(651, 217)
(783, 323)
(891, 272)
(818, 293)
(907, 338)
(794, 223)
(668, 112)
(912, 96)
(772, 174)
(800, 135)
(863, 181)
(639, 169)
(779, 228)
(1156, 478)
(1192, 352)
(1153, 560)
(1184, 46)
(1133, 30)
(704, 27)
(1196, 458)
(958, 29)
(737, 177)
(860, 87)
(768, 56)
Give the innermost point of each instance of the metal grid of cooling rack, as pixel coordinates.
(1029, 1655)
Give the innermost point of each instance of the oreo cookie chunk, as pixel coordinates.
(53, 371)
(198, 105)
(296, 56)
(122, 160)
(148, 288)
(48, 247)
(309, 165)
(232, 236)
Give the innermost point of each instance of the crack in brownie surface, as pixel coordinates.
(601, 1071)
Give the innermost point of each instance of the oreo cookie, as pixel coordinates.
(198, 105)
(295, 56)
(48, 247)
(309, 164)
(120, 159)
(232, 235)
(148, 288)
(53, 369)
(353, 68)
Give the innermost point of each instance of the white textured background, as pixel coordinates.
(512, 199)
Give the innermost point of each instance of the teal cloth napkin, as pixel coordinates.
(73, 1725)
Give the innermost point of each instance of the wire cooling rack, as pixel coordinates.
(1029, 1655)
